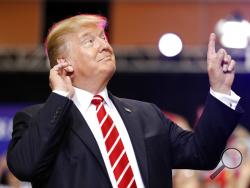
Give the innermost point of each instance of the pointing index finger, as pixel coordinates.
(211, 44)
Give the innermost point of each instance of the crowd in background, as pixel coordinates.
(228, 178)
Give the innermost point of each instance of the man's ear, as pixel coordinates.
(69, 61)
(62, 60)
(58, 60)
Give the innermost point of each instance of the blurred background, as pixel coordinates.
(160, 48)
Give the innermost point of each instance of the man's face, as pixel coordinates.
(91, 56)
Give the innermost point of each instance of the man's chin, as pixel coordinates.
(111, 70)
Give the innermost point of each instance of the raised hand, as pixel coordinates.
(60, 77)
(221, 68)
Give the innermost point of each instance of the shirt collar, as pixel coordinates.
(83, 98)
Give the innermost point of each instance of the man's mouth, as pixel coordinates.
(105, 58)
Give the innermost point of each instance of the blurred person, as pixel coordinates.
(84, 136)
(239, 177)
(184, 178)
(241, 141)
(179, 120)
(6, 177)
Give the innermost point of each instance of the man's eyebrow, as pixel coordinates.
(89, 33)
(85, 34)
(101, 33)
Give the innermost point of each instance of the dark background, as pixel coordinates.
(56, 10)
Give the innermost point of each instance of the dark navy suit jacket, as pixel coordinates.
(52, 145)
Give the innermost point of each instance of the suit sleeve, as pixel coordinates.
(202, 148)
(36, 138)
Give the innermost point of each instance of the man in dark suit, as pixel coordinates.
(83, 136)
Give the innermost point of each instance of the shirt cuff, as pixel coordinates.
(62, 93)
(230, 100)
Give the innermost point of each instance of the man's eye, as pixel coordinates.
(88, 42)
(103, 37)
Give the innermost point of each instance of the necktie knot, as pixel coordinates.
(97, 100)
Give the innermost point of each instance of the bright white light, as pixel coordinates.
(170, 44)
(234, 34)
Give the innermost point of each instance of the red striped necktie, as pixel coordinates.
(117, 155)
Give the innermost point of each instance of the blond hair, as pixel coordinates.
(55, 43)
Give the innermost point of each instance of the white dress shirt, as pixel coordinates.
(229, 100)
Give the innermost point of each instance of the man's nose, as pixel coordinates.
(102, 44)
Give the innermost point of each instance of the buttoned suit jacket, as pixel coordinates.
(53, 147)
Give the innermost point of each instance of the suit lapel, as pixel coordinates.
(130, 119)
(81, 128)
